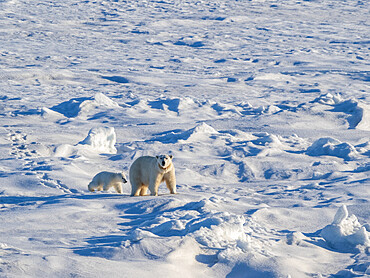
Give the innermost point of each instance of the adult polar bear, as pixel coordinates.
(149, 172)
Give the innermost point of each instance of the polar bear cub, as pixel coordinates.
(106, 180)
(148, 172)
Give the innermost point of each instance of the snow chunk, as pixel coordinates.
(341, 215)
(47, 113)
(332, 147)
(102, 100)
(345, 233)
(101, 139)
(329, 99)
(223, 230)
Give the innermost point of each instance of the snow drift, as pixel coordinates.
(346, 233)
(332, 147)
(84, 106)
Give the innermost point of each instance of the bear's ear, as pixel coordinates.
(171, 156)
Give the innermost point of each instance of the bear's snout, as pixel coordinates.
(163, 163)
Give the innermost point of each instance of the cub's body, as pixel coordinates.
(106, 180)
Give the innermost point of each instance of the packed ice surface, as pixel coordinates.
(263, 104)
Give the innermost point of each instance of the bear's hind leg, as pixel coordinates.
(154, 185)
(135, 189)
(143, 190)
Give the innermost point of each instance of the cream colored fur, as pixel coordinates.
(106, 180)
(148, 172)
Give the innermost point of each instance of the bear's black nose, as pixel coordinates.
(163, 163)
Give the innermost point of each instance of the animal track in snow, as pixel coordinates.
(46, 181)
(19, 145)
(22, 150)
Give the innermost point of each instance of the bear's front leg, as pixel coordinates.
(118, 188)
(170, 180)
(154, 185)
(171, 185)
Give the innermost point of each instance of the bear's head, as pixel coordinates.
(164, 161)
(124, 180)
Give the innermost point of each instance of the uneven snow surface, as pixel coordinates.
(265, 106)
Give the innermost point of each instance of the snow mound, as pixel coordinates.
(200, 132)
(345, 233)
(269, 109)
(202, 128)
(173, 104)
(222, 108)
(64, 150)
(101, 139)
(363, 115)
(296, 238)
(79, 106)
(332, 147)
(201, 109)
(189, 107)
(100, 100)
(183, 259)
(359, 113)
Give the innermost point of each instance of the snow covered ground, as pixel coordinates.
(265, 106)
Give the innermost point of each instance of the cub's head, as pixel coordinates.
(164, 160)
(124, 180)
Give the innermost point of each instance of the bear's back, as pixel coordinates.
(142, 163)
(107, 176)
